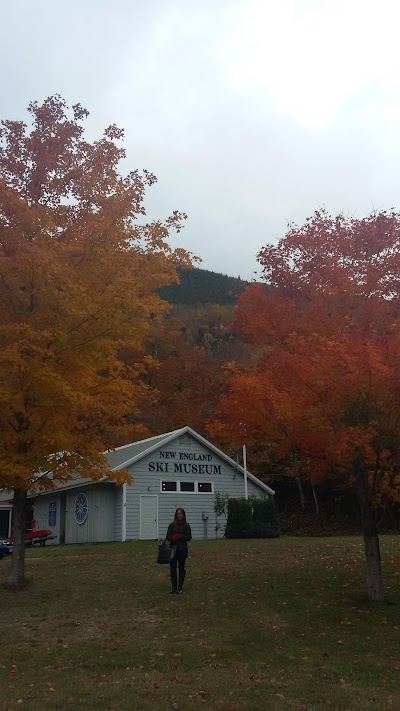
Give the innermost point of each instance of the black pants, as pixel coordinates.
(179, 560)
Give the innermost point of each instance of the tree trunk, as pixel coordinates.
(373, 567)
(375, 587)
(16, 575)
(315, 498)
(301, 493)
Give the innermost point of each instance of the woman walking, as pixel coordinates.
(178, 535)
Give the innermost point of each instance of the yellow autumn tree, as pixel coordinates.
(79, 270)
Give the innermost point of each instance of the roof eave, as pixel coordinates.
(143, 454)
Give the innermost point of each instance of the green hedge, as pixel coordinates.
(239, 518)
(252, 518)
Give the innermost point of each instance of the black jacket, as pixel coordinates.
(184, 530)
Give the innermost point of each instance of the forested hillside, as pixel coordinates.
(203, 286)
(185, 372)
(191, 357)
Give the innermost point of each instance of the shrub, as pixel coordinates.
(252, 518)
(239, 518)
(265, 521)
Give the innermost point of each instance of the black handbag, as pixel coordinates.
(166, 554)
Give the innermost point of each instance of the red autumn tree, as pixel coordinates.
(79, 270)
(185, 389)
(185, 373)
(327, 384)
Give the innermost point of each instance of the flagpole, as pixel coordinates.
(246, 496)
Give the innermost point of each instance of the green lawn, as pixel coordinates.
(267, 624)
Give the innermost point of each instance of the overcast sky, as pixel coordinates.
(252, 113)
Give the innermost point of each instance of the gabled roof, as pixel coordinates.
(147, 446)
(123, 457)
(118, 457)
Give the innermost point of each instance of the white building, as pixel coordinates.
(177, 469)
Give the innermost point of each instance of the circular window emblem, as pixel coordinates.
(81, 508)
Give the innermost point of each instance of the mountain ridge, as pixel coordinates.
(203, 286)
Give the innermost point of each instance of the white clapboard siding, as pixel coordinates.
(118, 500)
(99, 524)
(102, 523)
(41, 514)
(106, 513)
(228, 481)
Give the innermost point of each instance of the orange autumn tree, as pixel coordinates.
(79, 269)
(327, 384)
(185, 389)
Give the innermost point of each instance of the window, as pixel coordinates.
(81, 508)
(187, 486)
(169, 486)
